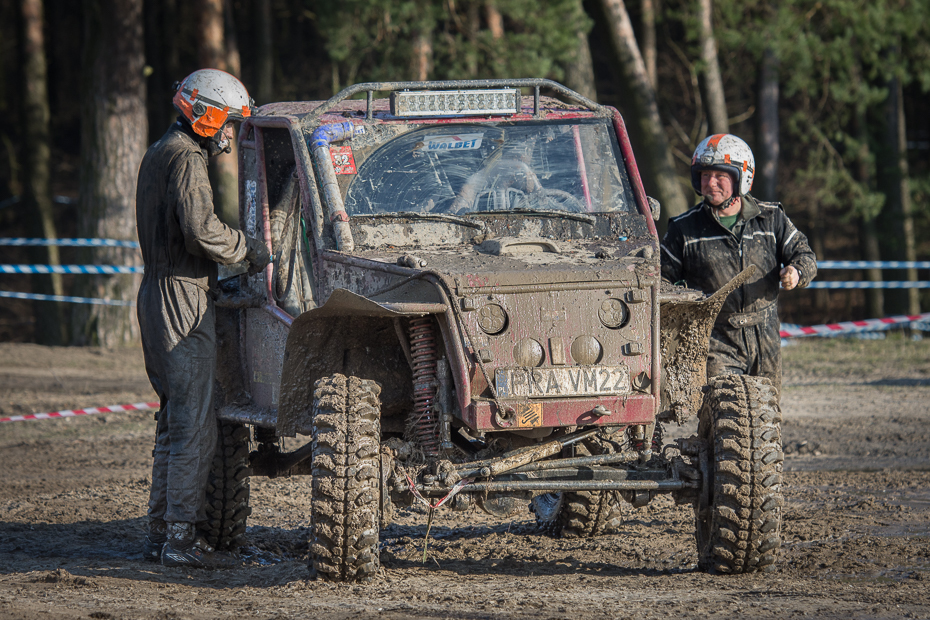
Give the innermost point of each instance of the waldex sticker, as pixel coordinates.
(343, 159)
(460, 142)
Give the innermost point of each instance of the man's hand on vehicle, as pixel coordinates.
(257, 255)
(789, 277)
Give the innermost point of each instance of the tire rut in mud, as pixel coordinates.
(346, 479)
(738, 524)
(228, 488)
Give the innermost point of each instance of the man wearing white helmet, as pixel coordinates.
(182, 241)
(721, 236)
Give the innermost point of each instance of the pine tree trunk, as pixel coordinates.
(902, 244)
(264, 51)
(649, 40)
(657, 157)
(868, 234)
(50, 328)
(422, 55)
(113, 139)
(766, 183)
(579, 74)
(212, 53)
(713, 84)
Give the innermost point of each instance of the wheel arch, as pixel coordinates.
(350, 335)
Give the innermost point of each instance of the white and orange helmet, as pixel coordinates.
(208, 98)
(726, 153)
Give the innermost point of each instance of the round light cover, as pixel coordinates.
(528, 352)
(613, 313)
(586, 350)
(492, 319)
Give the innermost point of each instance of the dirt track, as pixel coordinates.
(856, 530)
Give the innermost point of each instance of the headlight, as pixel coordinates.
(528, 353)
(492, 319)
(586, 350)
(613, 313)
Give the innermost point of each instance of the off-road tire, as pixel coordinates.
(738, 514)
(346, 488)
(578, 514)
(227, 501)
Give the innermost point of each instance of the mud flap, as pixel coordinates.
(684, 342)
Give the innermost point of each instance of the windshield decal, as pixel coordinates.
(460, 142)
(343, 159)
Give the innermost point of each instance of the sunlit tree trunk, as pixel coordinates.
(657, 156)
(37, 195)
(711, 81)
(212, 53)
(113, 139)
(496, 26)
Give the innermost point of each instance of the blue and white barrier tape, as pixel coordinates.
(81, 243)
(67, 299)
(86, 269)
(872, 264)
(868, 284)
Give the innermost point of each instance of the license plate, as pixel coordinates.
(559, 382)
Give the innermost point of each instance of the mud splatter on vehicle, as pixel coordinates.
(465, 308)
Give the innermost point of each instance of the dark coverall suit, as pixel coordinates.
(700, 251)
(182, 241)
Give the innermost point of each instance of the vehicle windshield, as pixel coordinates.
(573, 166)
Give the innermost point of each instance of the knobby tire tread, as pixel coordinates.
(345, 503)
(740, 530)
(227, 500)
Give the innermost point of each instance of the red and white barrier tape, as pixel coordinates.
(67, 413)
(851, 326)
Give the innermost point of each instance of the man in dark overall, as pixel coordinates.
(182, 241)
(721, 236)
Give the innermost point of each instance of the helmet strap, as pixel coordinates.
(723, 206)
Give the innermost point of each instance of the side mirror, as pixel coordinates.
(655, 207)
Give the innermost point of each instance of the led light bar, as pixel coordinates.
(407, 103)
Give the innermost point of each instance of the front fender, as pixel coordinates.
(349, 334)
(684, 342)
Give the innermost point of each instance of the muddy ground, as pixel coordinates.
(856, 529)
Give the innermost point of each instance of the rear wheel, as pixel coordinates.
(227, 501)
(578, 514)
(738, 512)
(346, 488)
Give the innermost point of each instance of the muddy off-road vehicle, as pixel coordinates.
(465, 308)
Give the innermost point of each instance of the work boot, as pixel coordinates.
(185, 549)
(154, 540)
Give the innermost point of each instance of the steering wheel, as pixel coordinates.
(501, 175)
(560, 200)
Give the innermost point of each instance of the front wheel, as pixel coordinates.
(346, 487)
(738, 512)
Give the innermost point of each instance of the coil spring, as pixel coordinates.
(424, 425)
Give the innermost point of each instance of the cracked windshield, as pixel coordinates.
(464, 169)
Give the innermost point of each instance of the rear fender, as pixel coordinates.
(684, 342)
(352, 335)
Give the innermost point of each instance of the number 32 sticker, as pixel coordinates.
(343, 160)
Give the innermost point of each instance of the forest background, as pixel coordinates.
(830, 94)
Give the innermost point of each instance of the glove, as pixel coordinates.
(257, 255)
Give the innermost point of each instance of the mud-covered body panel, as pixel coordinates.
(550, 269)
